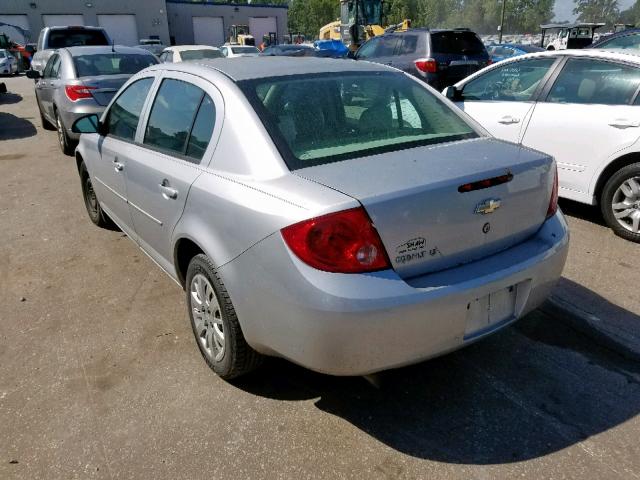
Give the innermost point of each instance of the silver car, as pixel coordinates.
(342, 215)
(81, 80)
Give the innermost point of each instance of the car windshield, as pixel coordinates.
(624, 42)
(72, 38)
(454, 42)
(323, 118)
(238, 50)
(111, 64)
(200, 54)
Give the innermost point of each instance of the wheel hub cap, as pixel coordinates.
(626, 204)
(207, 317)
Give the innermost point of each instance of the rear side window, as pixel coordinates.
(187, 55)
(111, 64)
(408, 44)
(590, 81)
(350, 115)
(122, 119)
(74, 38)
(511, 82)
(456, 43)
(173, 116)
(53, 67)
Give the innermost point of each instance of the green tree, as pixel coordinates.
(597, 10)
(307, 16)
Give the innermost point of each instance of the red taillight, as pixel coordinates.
(426, 65)
(341, 242)
(77, 92)
(553, 203)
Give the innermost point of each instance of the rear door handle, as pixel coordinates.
(508, 120)
(167, 191)
(624, 123)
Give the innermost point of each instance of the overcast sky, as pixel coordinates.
(564, 8)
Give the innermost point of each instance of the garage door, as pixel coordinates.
(208, 31)
(62, 20)
(122, 29)
(14, 34)
(260, 26)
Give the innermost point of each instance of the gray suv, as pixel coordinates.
(52, 38)
(438, 57)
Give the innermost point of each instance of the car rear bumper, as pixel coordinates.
(358, 324)
(73, 112)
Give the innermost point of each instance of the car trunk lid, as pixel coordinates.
(426, 224)
(104, 87)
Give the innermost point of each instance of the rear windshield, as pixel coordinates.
(111, 64)
(460, 43)
(73, 38)
(200, 54)
(323, 118)
(238, 50)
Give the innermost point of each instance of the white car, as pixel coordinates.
(580, 106)
(231, 51)
(185, 53)
(8, 63)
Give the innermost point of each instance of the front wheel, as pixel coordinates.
(620, 202)
(215, 323)
(96, 214)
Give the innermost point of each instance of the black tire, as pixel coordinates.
(67, 146)
(607, 200)
(46, 124)
(96, 214)
(238, 357)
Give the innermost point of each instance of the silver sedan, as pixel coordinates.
(342, 215)
(81, 80)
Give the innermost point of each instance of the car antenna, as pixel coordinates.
(113, 46)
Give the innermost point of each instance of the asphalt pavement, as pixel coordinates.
(100, 376)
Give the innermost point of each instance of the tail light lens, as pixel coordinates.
(426, 65)
(342, 242)
(77, 92)
(553, 203)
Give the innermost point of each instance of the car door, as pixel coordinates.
(172, 144)
(116, 148)
(46, 85)
(502, 99)
(589, 113)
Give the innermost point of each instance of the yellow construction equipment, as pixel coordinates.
(359, 21)
(239, 35)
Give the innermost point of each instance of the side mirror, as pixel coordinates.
(87, 124)
(453, 93)
(33, 74)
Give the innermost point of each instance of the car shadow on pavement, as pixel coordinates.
(10, 98)
(12, 127)
(589, 213)
(528, 391)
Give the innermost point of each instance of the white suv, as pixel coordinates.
(582, 107)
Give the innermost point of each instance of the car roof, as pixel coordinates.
(98, 49)
(73, 27)
(182, 48)
(248, 68)
(622, 55)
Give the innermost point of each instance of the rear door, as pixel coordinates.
(116, 150)
(48, 83)
(589, 113)
(379, 49)
(502, 99)
(409, 48)
(173, 142)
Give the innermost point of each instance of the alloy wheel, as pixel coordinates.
(207, 317)
(626, 204)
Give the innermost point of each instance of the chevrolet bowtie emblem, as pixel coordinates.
(488, 206)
